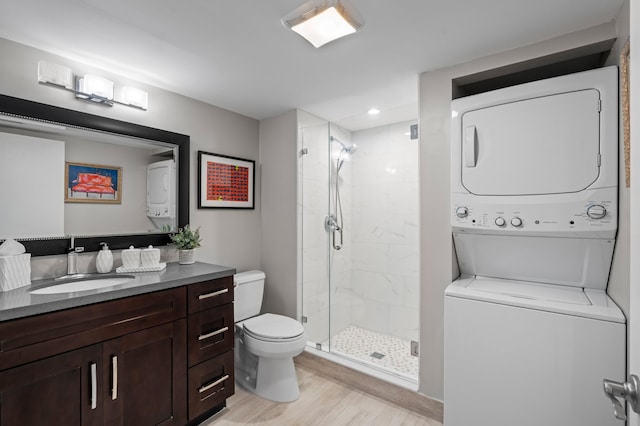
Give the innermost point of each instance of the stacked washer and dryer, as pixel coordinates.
(530, 332)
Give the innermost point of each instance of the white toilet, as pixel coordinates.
(264, 344)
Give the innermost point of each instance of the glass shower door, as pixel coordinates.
(313, 161)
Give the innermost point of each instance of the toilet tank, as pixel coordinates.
(249, 289)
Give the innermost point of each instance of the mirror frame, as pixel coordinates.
(53, 246)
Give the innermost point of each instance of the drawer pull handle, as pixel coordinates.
(114, 373)
(213, 333)
(210, 385)
(214, 294)
(94, 385)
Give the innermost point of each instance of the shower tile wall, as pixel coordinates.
(385, 240)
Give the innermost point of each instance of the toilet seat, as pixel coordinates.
(273, 328)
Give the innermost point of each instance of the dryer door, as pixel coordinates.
(544, 145)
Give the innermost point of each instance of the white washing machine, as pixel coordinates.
(530, 332)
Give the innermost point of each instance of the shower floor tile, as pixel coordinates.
(390, 353)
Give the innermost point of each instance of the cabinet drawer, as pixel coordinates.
(209, 294)
(210, 384)
(210, 333)
(28, 339)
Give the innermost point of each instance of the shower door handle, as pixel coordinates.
(337, 229)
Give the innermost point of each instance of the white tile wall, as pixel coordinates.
(386, 251)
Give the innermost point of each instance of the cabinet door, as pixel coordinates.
(61, 390)
(145, 377)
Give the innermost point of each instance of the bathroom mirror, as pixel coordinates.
(66, 173)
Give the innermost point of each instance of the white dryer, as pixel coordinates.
(530, 332)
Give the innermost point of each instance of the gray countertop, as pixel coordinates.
(20, 302)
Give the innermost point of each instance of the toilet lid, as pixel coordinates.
(272, 326)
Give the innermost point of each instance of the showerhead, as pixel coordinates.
(350, 149)
(345, 149)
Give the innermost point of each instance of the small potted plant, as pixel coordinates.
(186, 240)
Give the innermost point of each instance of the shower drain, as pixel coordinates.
(377, 355)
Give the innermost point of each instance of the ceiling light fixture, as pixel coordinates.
(374, 111)
(321, 24)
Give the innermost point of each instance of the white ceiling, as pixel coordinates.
(236, 54)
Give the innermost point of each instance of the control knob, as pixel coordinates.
(596, 211)
(500, 221)
(462, 212)
(517, 222)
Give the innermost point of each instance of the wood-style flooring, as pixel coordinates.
(323, 401)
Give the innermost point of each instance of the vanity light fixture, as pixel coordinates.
(91, 87)
(321, 23)
(135, 97)
(55, 74)
(95, 88)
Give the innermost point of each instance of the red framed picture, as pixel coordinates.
(225, 182)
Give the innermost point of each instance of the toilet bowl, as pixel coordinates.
(265, 344)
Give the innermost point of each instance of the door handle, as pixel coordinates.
(114, 377)
(337, 245)
(94, 385)
(628, 391)
(470, 142)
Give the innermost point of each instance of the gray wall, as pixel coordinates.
(278, 152)
(230, 237)
(437, 262)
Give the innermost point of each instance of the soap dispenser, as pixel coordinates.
(104, 261)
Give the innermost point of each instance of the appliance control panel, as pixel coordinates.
(595, 215)
(159, 211)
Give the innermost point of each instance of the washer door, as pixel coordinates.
(543, 145)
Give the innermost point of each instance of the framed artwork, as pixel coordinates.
(92, 183)
(225, 182)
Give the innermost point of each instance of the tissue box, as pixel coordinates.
(15, 271)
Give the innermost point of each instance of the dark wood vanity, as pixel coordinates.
(159, 358)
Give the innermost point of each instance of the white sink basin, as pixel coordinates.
(93, 283)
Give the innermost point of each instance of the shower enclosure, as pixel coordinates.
(359, 244)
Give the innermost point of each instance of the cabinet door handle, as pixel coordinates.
(114, 375)
(213, 333)
(214, 294)
(94, 385)
(210, 385)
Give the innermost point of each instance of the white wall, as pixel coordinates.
(436, 248)
(230, 237)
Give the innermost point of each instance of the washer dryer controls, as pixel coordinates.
(500, 221)
(596, 211)
(462, 212)
(516, 221)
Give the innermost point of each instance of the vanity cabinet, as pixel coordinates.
(210, 342)
(160, 358)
